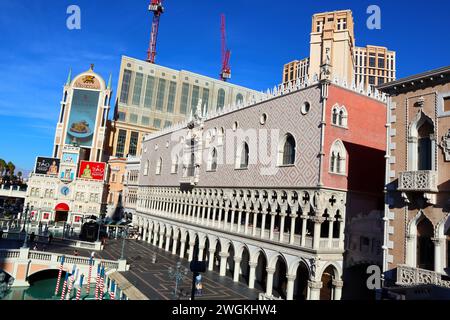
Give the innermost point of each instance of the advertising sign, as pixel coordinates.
(82, 120)
(70, 158)
(46, 216)
(47, 166)
(92, 170)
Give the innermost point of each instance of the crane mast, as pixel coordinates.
(156, 6)
(225, 74)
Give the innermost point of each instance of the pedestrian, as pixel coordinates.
(75, 253)
(32, 237)
(50, 238)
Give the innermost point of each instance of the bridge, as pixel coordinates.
(12, 192)
(23, 263)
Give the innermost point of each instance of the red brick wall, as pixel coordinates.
(365, 141)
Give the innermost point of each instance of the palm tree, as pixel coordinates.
(19, 175)
(2, 167)
(11, 168)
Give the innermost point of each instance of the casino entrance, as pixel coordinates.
(61, 212)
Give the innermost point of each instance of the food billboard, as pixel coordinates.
(82, 119)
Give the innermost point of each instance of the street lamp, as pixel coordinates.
(25, 242)
(124, 236)
(178, 275)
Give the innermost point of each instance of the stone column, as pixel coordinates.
(341, 233)
(290, 287)
(191, 251)
(211, 259)
(144, 235)
(263, 225)
(223, 263)
(316, 238)
(214, 213)
(182, 248)
(161, 240)
(247, 213)
(208, 215)
(252, 275)
(237, 268)
(167, 242)
(272, 225)
(175, 244)
(282, 221)
(314, 290)
(149, 240)
(203, 214)
(292, 234)
(255, 223)
(225, 218)
(437, 255)
(155, 237)
(337, 289)
(303, 238)
(233, 212)
(200, 253)
(239, 221)
(269, 283)
(330, 232)
(219, 218)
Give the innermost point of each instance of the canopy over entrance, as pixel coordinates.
(62, 207)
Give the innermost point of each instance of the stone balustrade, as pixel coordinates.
(410, 276)
(420, 181)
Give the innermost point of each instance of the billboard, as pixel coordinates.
(82, 119)
(92, 170)
(69, 158)
(47, 166)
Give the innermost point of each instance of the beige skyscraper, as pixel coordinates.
(333, 42)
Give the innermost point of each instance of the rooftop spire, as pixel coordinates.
(69, 77)
(110, 81)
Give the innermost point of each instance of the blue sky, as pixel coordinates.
(37, 49)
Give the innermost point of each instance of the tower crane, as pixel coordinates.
(226, 53)
(156, 6)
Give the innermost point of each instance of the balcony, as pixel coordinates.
(409, 276)
(189, 180)
(418, 181)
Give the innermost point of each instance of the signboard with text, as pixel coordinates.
(92, 170)
(47, 166)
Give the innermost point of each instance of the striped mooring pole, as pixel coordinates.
(58, 282)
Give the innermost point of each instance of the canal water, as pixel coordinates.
(45, 290)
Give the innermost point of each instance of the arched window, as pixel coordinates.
(212, 161)
(425, 245)
(147, 165)
(175, 165)
(339, 116)
(159, 166)
(220, 99)
(287, 149)
(243, 157)
(338, 156)
(421, 144)
(239, 99)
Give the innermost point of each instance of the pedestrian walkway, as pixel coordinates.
(153, 280)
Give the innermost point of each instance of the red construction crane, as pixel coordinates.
(226, 53)
(157, 8)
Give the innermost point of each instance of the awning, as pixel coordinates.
(62, 207)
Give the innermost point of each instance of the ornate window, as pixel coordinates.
(339, 116)
(421, 144)
(242, 158)
(212, 160)
(239, 99)
(338, 158)
(287, 150)
(159, 166)
(220, 99)
(175, 165)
